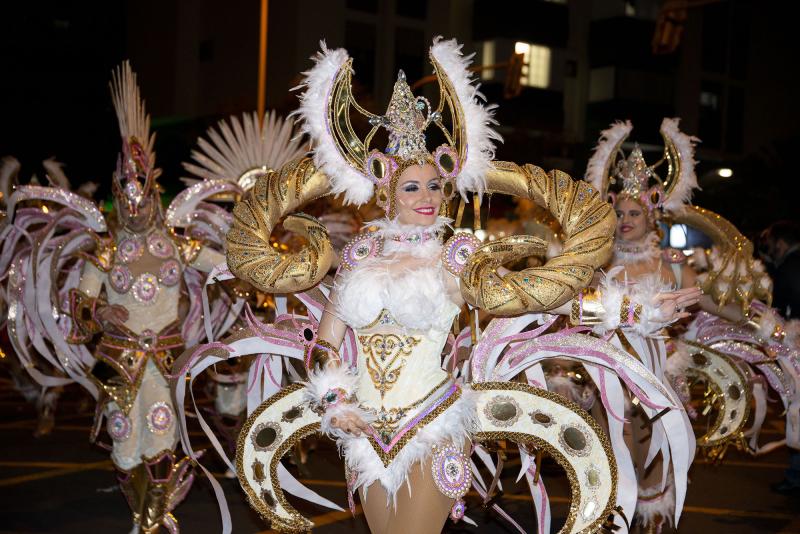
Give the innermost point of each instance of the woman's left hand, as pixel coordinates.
(671, 305)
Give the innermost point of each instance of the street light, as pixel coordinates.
(725, 172)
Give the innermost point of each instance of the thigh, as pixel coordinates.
(377, 508)
(424, 509)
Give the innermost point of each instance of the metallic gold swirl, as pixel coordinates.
(251, 256)
(587, 221)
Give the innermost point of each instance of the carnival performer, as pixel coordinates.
(735, 341)
(643, 199)
(123, 280)
(376, 381)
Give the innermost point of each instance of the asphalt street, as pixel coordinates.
(61, 483)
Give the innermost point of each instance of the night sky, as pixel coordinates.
(56, 58)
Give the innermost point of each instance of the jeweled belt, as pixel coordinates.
(146, 341)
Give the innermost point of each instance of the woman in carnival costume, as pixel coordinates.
(640, 268)
(122, 280)
(373, 344)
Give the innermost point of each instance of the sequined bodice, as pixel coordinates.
(398, 368)
(145, 278)
(143, 265)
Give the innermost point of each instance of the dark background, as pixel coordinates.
(732, 78)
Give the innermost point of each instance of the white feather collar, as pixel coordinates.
(407, 280)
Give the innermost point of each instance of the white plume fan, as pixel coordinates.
(686, 181)
(239, 150)
(608, 144)
(344, 178)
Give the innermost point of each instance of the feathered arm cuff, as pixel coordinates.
(331, 392)
(83, 310)
(614, 305)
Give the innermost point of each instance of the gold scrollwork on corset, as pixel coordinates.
(382, 348)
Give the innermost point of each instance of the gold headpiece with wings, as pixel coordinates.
(355, 168)
(736, 276)
(639, 180)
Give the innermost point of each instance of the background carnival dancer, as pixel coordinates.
(376, 382)
(734, 319)
(637, 265)
(123, 280)
(644, 198)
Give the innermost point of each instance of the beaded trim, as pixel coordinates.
(388, 451)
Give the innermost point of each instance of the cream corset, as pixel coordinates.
(399, 370)
(400, 309)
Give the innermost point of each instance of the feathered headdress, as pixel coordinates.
(135, 177)
(355, 168)
(639, 180)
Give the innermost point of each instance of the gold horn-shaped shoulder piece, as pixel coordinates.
(252, 257)
(587, 221)
(735, 275)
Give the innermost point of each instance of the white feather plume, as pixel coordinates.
(643, 292)
(478, 117)
(687, 180)
(654, 505)
(234, 147)
(55, 173)
(603, 152)
(355, 185)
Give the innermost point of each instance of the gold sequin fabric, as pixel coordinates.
(275, 195)
(587, 221)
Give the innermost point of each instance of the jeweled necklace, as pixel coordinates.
(416, 238)
(626, 252)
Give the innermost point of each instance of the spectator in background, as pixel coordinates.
(780, 250)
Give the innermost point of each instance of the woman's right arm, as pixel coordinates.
(331, 329)
(325, 365)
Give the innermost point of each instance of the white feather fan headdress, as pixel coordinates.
(240, 151)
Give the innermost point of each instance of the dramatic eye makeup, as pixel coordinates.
(410, 187)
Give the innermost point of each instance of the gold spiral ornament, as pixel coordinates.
(276, 195)
(588, 222)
